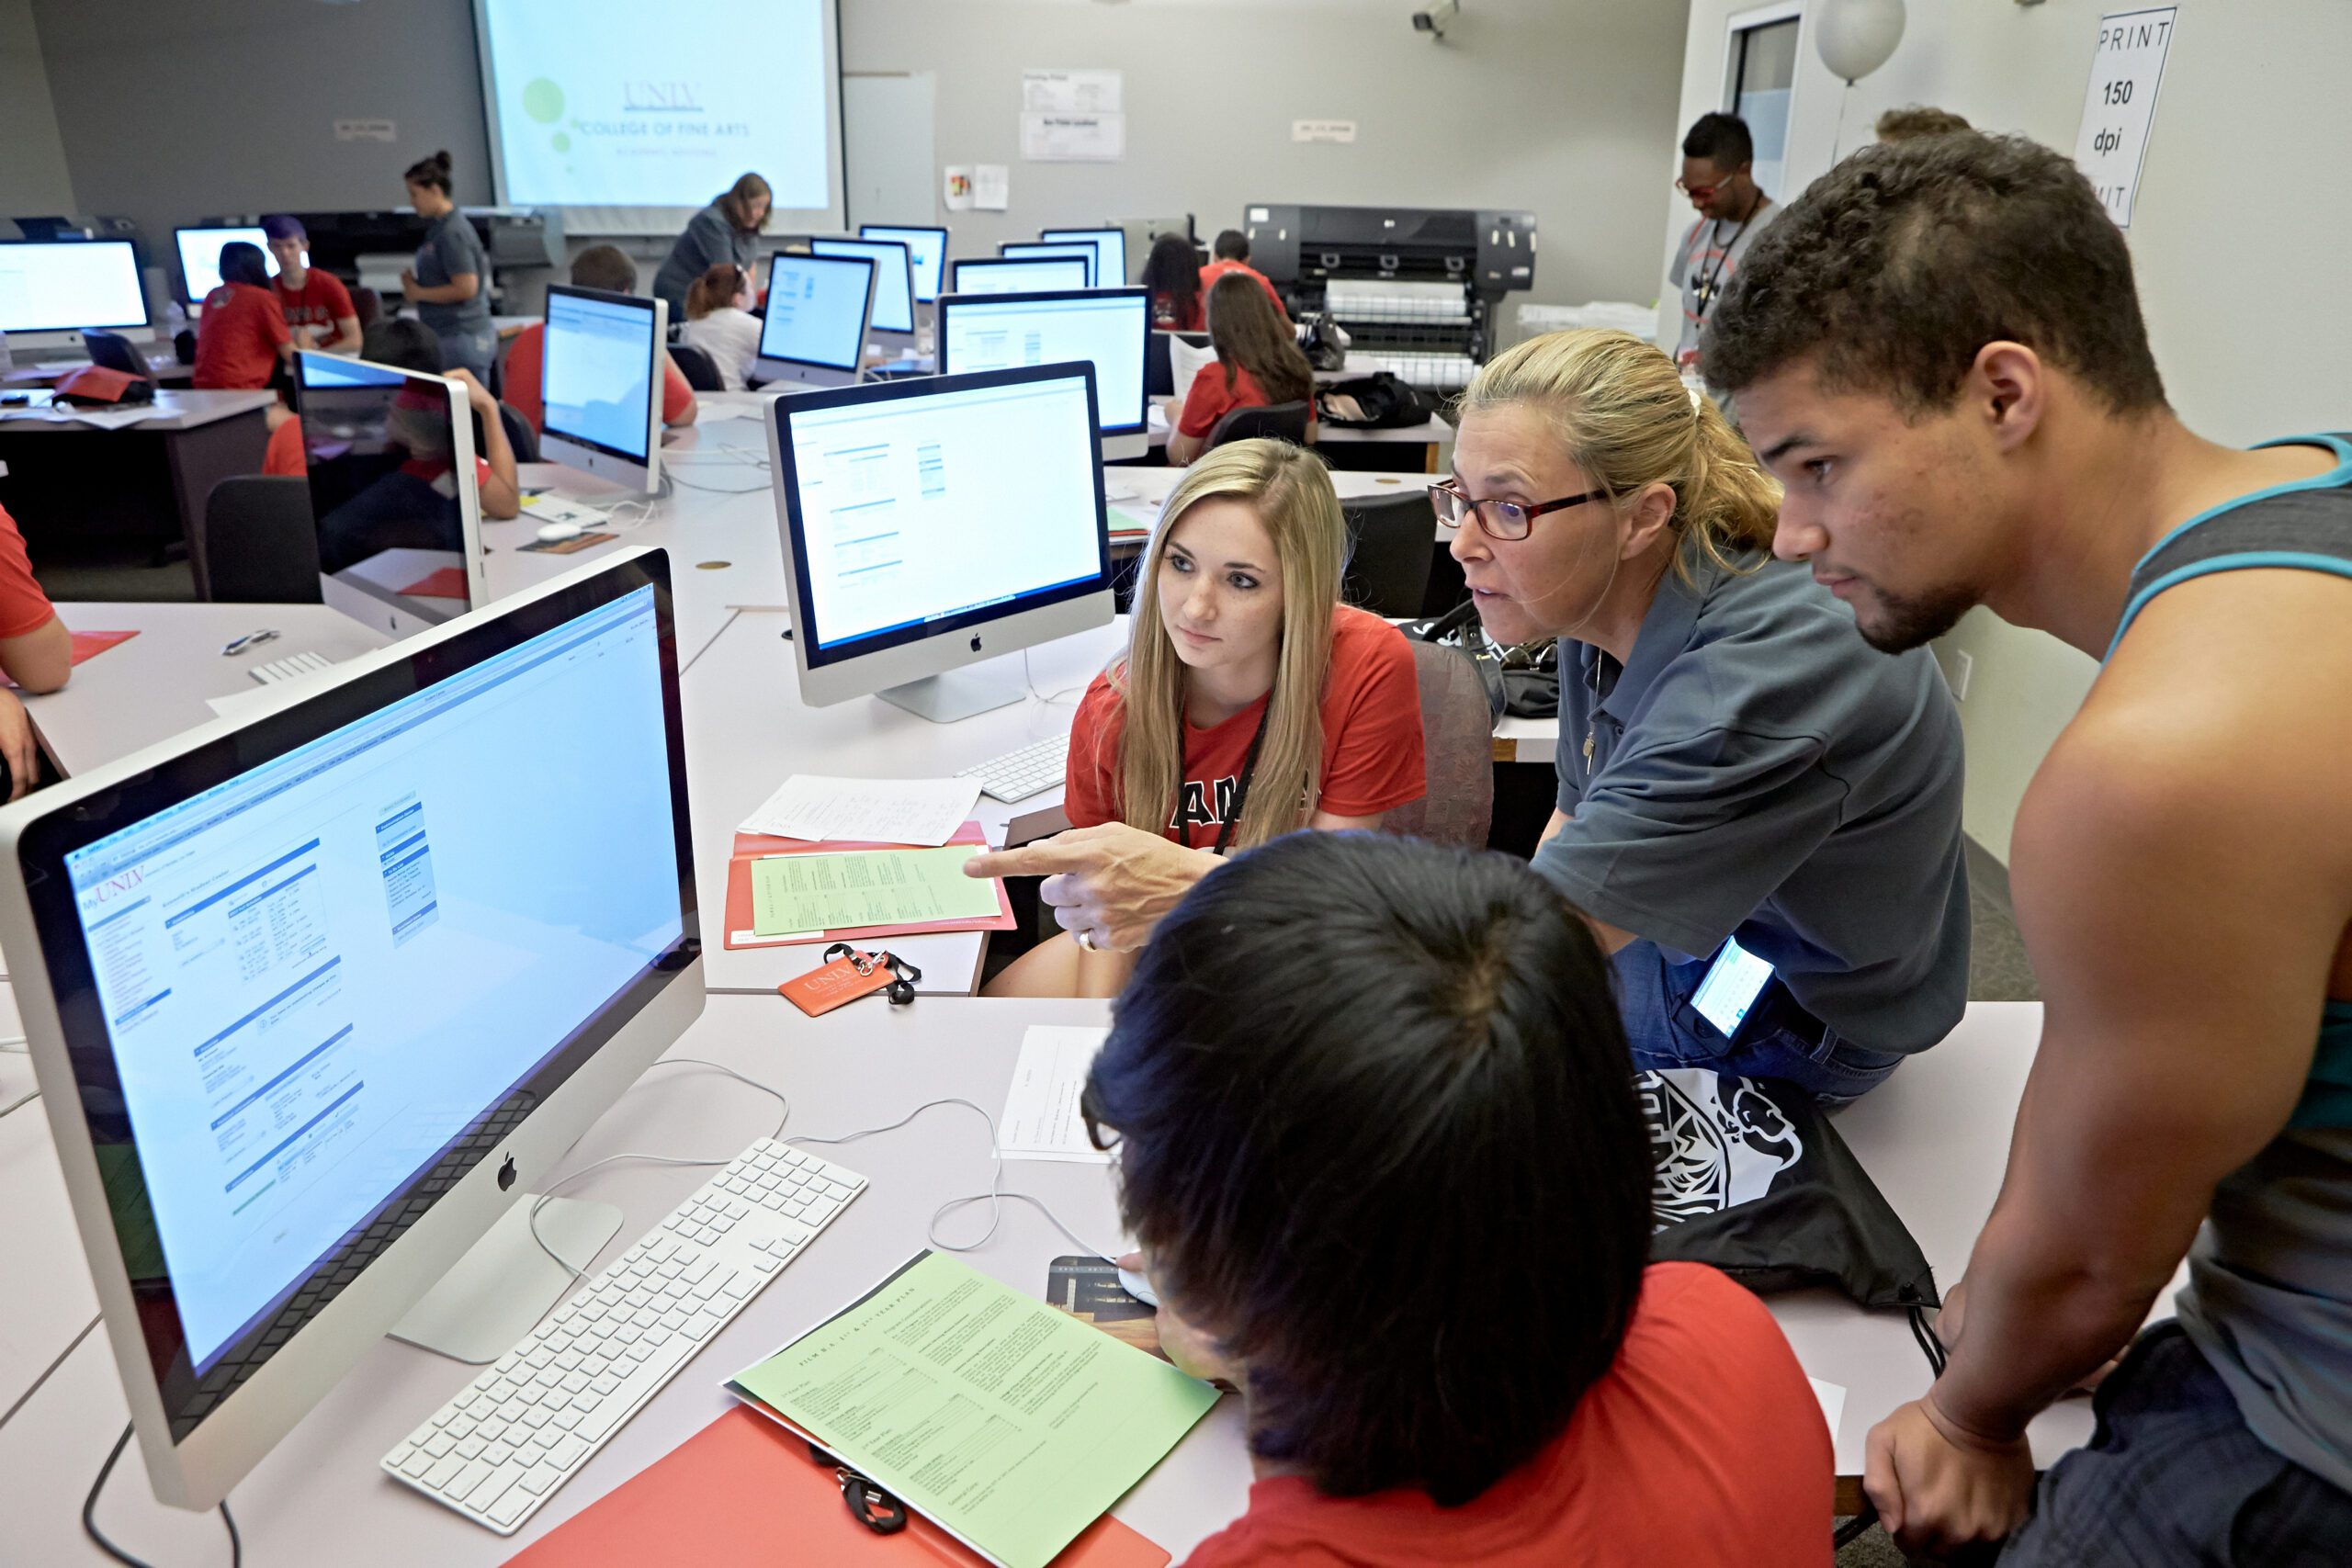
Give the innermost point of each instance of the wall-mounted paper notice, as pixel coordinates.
(1073, 138)
(991, 187)
(956, 186)
(1322, 130)
(1070, 92)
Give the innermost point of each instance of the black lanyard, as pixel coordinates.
(1706, 286)
(1241, 789)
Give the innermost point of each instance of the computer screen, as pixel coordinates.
(394, 495)
(1110, 248)
(1106, 327)
(1003, 275)
(944, 502)
(894, 301)
(200, 258)
(598, 374)
(1040, 250)
(61, 285)
(816, 310)
(926, 252)
(318, 975)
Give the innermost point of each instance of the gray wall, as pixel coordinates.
(32, 159)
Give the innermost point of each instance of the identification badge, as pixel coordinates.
(846, 978)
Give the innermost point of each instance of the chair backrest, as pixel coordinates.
(112, 351)
(1281, 421)
(519, 433)
(259, 547)
(367, 305)
(1159, 378)
(1458, 750)
(1392, 539)
(699, 367)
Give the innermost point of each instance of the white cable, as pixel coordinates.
(20, 1104)
(1060, 696)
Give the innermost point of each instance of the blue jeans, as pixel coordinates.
(1654, 991)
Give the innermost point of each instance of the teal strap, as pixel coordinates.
(2297, 560)
(2328, 1093)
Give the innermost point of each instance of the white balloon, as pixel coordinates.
(1855, 37)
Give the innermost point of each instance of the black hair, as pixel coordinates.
(1232, 244)
(1721, 139)
(1897, 266)
(405, 343)
(433, 171)
(1173, 268)
(1378, 1135)
(242, 262)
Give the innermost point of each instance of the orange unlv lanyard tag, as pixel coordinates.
(846, 978)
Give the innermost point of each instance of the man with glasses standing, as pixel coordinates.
(1718, 177)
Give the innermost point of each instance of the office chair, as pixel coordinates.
(367, 305)
(526, 440)
(1159, 378)
(1281, 422)
(699, 367)
(112, 351)
(1391, 540)
(259, 547)
(1457, 806)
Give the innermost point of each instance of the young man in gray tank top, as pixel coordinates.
(1940, 352)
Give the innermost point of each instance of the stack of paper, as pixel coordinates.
(881, 811)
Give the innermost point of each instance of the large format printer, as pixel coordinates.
(371, 248)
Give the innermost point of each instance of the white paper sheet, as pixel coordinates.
(991, 187)
(1833, 1403)
(882, 811)
(1041, 1119)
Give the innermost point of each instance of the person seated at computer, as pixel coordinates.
(449, 283)
(318, 307)
(36, 652)
(243, 340)
(1172, 273)
(599, 266)
(1251, 700)
(726, 230)
(1259, 363)
(719, 323)
(404, 344)
(1232, 259)
(1378, 1139)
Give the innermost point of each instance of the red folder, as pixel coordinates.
(448, 582)
(742, 1492)
(750, 847)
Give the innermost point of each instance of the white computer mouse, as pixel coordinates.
(556, 533)
(1132, 1281)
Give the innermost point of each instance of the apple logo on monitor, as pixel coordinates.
(976, 642)
(506, 1174)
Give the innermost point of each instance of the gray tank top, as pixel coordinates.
(2269, 1297)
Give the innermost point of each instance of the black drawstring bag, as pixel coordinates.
(1381, 401)
(1749, 1176)
(1523, 680)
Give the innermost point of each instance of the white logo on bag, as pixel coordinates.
(1715, 1142)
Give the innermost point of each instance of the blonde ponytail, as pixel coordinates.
(1625, 418)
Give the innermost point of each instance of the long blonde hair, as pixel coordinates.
(1291, 492)
(1626, 420)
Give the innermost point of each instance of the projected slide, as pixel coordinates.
(609, 103)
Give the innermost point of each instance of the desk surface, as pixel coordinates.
(182, 411)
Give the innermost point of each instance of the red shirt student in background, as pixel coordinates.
(243, 337)
(1238, 646)
(1232, 253)
(36, 652)
(317, 306)
(1172, 273)
(1259, 363)
(599, 266)
(1379, 1140)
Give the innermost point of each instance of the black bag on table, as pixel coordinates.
(1523, 682)
(1383, 401)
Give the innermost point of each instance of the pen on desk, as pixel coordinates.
(251, 640)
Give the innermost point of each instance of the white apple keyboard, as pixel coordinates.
(1017, 776)
(293, 666)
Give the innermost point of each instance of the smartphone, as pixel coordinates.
(1728, 991)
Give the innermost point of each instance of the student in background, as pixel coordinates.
(410, 346)
(450, 285)
(1250, 702)
(1232, 253)
(719, 323)
(1172, 273)
(318, 307)
(1918, 119)
(36, 652)
(1718, 175)
(599, 266)
(241, 339)
(1379, 1141)
(726, 230)
(1259, 363)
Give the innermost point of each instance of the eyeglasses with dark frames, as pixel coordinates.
(1505, 520)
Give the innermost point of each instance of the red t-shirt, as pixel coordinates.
(284, 456)
(1372, 740)
(1168, 316)
(236, 342)
(320, 302)
(1704, 1444)
(1211, 400)
(1217, 269)
(527, 363)
(23, 606)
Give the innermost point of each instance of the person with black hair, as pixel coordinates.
(1172, 273)
(1719, 178)
(1259, 363)
(1232, 254)
(241, 339)
(450, 285)
(1939, 351)
(1389, 1179)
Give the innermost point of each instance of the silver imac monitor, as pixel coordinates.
(394, 497)
(1110, 252)
(600, 382)
(1108, 328)
(1015, 275)
(50, 290)
(926, 253)
(1038, 250)
(199, 252)
(814, 334)
(893, 325)
(317, 999)
(934, 523)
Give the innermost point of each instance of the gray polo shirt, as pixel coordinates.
(1758, 770)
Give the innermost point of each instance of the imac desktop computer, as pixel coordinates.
(316, 1001)
(934, 523)
(1110, 252)
(818, 312)
(199, 250)
(50, 290)
(394, 500)
(601, 382)
(892, 330)
(1038, 250)
(1017, 275)
(926, 254)
(1109, 328)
